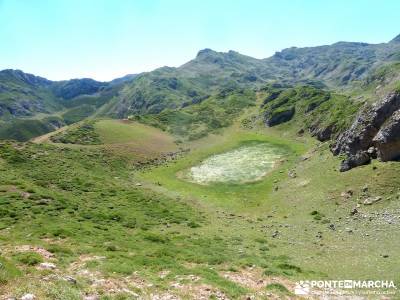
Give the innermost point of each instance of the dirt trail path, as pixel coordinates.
(45, 138)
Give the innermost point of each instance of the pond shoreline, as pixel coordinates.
(249, 162)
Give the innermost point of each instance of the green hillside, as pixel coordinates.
(343, 66)
(219, 179)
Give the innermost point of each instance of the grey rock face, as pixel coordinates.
(322, 134)
(387, 140)
(358, 159)
(278, 118)
(375, 132)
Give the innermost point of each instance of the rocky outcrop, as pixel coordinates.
(374, 133)
(322, 134)
(72, 88)
(278, 117)
(387, 141)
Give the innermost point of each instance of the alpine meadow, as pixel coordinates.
(226, 177)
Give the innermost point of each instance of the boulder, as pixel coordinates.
(358, 159)
(28, 297)
(387, 140)
(372, 200)
(354, 211)
(374, 133)
(324, 134)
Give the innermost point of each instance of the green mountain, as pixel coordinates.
(27, 101)
(336, 66)
(189, 84)
(24, 94)
(228, 177)
(32, 105)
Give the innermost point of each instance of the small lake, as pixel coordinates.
(247, 163)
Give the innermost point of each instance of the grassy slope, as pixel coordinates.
(318, 186)
(314, 190)
(127, 139)
(84, 202)
(314, 109)
(238, 198)
(133, 140)
(83, 134)
(25, 129)
(196, 121)
(44, 112)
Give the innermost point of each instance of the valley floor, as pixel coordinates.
(114, 220)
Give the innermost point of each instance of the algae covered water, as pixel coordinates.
(247, 163)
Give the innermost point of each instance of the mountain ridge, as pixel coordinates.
(339, 66)
(203, 51)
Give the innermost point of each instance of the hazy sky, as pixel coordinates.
(104, 39)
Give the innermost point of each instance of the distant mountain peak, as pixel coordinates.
(25, 77)
(396, 39)
(205, 52)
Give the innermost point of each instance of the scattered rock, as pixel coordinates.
(25, 195)
(28, 297)
(275, 234)
(70, 279)
(354, 211)
(138, 184)
(304, 158)
(332, 226)
(347, 194)
(43, 252)
(292, 174)
(91, 297)
(47, 266)
(372, 200)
